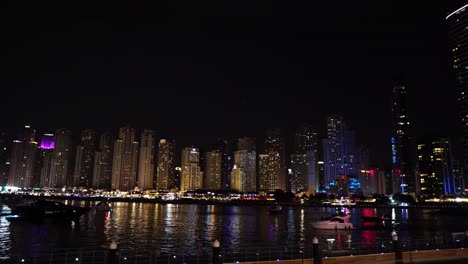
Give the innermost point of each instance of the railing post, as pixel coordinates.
(216, 258)
(113, 256)
(396, 247)
(315, 251)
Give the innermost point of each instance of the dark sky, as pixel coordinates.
(199, 70)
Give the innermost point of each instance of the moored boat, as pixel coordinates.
(42, 209)
(275, 209)
(335, 222)
(103, 206)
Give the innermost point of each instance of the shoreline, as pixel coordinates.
(6, 196)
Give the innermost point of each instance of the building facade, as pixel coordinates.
(403, 174)
(124, 165)
(146, 160)
(165, 178)
(61, 172)
(457, 21)
(103, 158)
(23, 159)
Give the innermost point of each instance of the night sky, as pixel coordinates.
(197, 70)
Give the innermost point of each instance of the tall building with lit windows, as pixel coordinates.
(243, 175)
(435, 168)
(303, 162)
(103, 158)
(23, 159)
(61, 172)
(165, 177)
(84, 159)
(403, 174)
(213, 169)
(146, 160)
(339, 150)
(46, 150)
(192, 175)
(275, 147)
(457, 21)
(268, 176)
(124, 165)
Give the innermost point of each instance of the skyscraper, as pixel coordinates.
(269, 167)
(276, 149)
(303, 162)
(166, 165)
(23, 159)
(192, 176)
(124, 165)
(46, 151)
(402, 169)
(243, 175)
(102, 173)
(222, 145)
(84, 159)
(213, 169)
(339, 150)
(62, 160)
(434, 167)
(457, 21)
(146, 161)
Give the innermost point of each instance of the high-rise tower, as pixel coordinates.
(457, 21)
(166, 165)
(192, 176)
(339, 150)
(403, 174)
(243, 175)
(124, 165)
(146, 161)
(23, 158)
(102, 173)
(84, 159)
(62, 160)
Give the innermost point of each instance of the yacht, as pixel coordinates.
(42, 209)
(335, 222)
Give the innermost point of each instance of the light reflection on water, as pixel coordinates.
(190, 229)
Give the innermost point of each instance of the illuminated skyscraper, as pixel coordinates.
(402, 169)
(23, 159)
(269, 167)
(213, 168)
(434, 168)
(62, 160)
(276, 149)
(192, 176)
(102, 173)
(339, 150)
(457, 21)
(46, 151)
(303, 163)
(166, 165)
(222, 145)
(84, 159)
(243, 175)
(124, 165)
(146, 161)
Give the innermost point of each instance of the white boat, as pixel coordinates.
(335, 222)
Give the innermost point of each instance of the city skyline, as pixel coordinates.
(197, 72)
